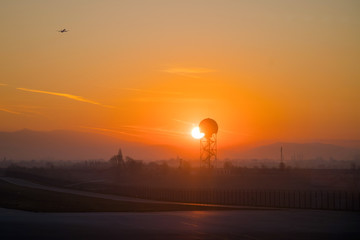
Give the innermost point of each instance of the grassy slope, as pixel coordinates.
(16, 197)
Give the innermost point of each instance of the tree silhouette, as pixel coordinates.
(117, 160)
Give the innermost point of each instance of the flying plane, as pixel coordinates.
(63, 30)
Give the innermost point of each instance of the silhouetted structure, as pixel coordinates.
(208, 144)
(117, 160)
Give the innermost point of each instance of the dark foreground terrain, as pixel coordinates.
(239, 224)
(54, 213)
(40, 200)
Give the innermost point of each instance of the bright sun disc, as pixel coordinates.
(195, 133)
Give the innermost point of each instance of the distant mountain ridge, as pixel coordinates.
(71, 145)
(297, 151)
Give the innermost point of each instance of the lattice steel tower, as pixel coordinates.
(208, 144)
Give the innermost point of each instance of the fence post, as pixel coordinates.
(327, 200)
(212, 196)
(294, 199)
(254, 197)
(299, 199)
(321, 200)
(241, 197)
(250, 198)
(341, 200)
(237, 196)
(287, 199)
(274, 198)
(346, 202)
(265, 199)
(244, 197)
(284, 199)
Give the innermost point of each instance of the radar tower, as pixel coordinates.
(208, 144)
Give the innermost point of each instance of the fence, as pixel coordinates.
(331, 200)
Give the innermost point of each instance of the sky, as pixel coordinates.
(151, 70)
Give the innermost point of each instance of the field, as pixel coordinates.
(302, 188)
(36, 200)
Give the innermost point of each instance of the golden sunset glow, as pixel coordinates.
(195, 133)
(168, 118)
(147, 72)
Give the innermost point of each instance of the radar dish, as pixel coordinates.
(208, 126)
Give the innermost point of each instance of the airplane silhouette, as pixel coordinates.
(63, 30)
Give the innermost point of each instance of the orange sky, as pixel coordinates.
(149, 70)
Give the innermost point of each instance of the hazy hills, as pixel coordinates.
(70, 145)
(297, 151)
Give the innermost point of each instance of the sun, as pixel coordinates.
(195, 133)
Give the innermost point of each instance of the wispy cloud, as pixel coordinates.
(32, 112)
(184, 122)
(188, 72)
(9, 111)
(3, 84)
(26, 107)
(137, 131)
(159, 131)
(171, 100)
(152, 91)
(28, 110)
(110, 130)
(66, 95)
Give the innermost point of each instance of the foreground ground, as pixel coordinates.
(25, 195)
(239, 224)
(147, 219)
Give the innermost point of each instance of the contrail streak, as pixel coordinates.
(184, 122)
(188, 72)
(66, 95)
(110, 130)
(159, 131)
(151, 91)
(9, 111)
